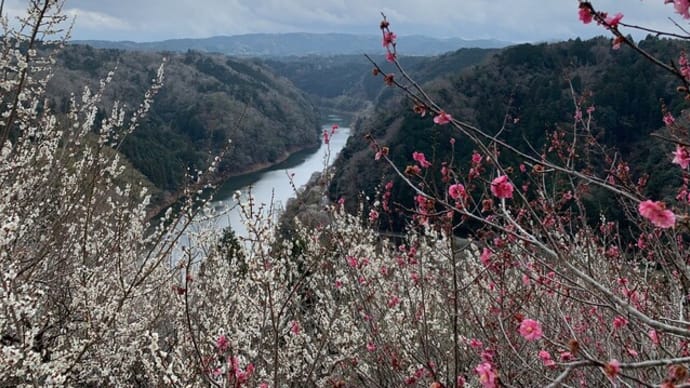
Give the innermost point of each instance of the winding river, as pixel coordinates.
(273, 186)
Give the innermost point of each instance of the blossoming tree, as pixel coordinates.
(560, 298)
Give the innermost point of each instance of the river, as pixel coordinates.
(272, 185)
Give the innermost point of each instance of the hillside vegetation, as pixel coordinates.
(206, 101)
(529, 87)
(345, 83)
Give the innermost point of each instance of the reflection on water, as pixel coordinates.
(272, 186)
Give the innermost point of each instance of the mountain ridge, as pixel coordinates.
(299, 44)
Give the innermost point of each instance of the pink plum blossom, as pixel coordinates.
(352, 262)
(653, 336)
(414, 170)
(681, 7)
(668, 119)
(619, 322)
(545, 357)
(442, 118)
(681, 156)
(421, 159)
(222, 343)
(485, 257)
(382, 152)
(612, 368)
(585, 15)
(530, 329)
(390, 56)
(476, 158)
(475, 343)
(295, 328)
(683, 64)
(456, 191)
(501, 188)
(614, 20)
(657, 214)
(487, 375)
(393, 301)
(389, 38)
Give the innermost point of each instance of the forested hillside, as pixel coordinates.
(529, 86)
(206, 100)
(344, 82)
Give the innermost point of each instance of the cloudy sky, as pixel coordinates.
(511, 20)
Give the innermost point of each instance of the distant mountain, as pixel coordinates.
(300, 44)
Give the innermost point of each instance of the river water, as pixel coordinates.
(273, 186)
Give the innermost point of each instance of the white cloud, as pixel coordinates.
(97, 20)
(516, 20)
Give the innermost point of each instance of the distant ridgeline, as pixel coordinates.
(206, 100)
(300, 44)
(530, 84)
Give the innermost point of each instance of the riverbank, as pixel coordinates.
(170, 199)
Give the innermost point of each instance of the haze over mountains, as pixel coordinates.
(300, 44)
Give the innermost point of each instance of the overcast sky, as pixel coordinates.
(511, 20)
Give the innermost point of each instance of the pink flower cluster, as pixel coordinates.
(657, 214)
(681, 7)
(501, 188)
(421, 159)
(389, 38)
(585, 14)
(487, 375)
(241, 376)
(683, 65)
